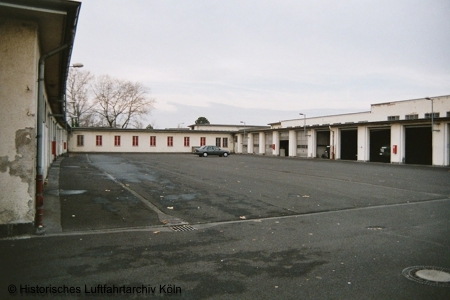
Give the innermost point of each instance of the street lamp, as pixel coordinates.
(244, 133)
(304, 122)
(74, 65)
(432, 113)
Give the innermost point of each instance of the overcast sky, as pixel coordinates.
(262, 61)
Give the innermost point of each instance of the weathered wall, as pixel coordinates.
(18, 90)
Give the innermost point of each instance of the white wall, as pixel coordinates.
(379, 112)
(126, 143)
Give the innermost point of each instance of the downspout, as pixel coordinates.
(40, 143)
(331, 154)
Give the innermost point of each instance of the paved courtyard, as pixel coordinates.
(240, 227)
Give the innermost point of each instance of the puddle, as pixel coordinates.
(71, 192)
(106, 205)
(65, 192)
(185, 197)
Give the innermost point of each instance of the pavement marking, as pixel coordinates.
(167, 227)
(164, 218)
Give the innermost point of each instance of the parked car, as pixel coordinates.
(385, 151)
(211, 150)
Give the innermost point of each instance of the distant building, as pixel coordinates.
(404, 132)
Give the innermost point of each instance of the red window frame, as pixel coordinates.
(98, 140)
(117, 140)
(170, 141)
(135, 140)
(186, 141)
(202, 141)
(152, 141)
(80, 140)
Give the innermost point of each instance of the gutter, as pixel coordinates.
(40, 140)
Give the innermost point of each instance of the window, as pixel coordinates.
(393, 118)
(202, 141)
(186, 141)
(117, 140)
(411, 117)
(428, 115)
(98, 140)
(153, 141)
(135, 140)
(80, 140)
(225, 142)
(170, 141)
(218, 142)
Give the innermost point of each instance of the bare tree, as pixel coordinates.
(121, 103)
(79, 107)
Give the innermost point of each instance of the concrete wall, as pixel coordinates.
(18, 64)
(19, 57)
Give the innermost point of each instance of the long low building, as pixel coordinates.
(411, 132)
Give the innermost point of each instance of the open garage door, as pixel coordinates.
(380, 138)
(418, 145)
(323, 143)
(349, 144)
(284, 143)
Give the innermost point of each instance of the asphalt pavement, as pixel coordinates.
(241, 227)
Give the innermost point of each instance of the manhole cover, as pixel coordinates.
(179, 228)
(434, 276)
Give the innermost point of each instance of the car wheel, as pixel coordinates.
(225, 154)
(205, 154)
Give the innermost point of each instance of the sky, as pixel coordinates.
(261, 61)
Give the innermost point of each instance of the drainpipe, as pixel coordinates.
(40, 142)
(331, 154)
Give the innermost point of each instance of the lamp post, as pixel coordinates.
(304, 122)
(74, 65)
(244, 137)
(432, 113)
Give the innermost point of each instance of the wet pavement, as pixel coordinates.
(251, 227)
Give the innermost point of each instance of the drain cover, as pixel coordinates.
(179, 228)
(434, 276)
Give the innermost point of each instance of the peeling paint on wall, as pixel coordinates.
(23, 164)
(18, 175)
(4, 163)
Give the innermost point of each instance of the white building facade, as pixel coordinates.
(409, 132)
(146, 141)
(414, 132)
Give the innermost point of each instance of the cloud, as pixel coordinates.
(271, 55)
